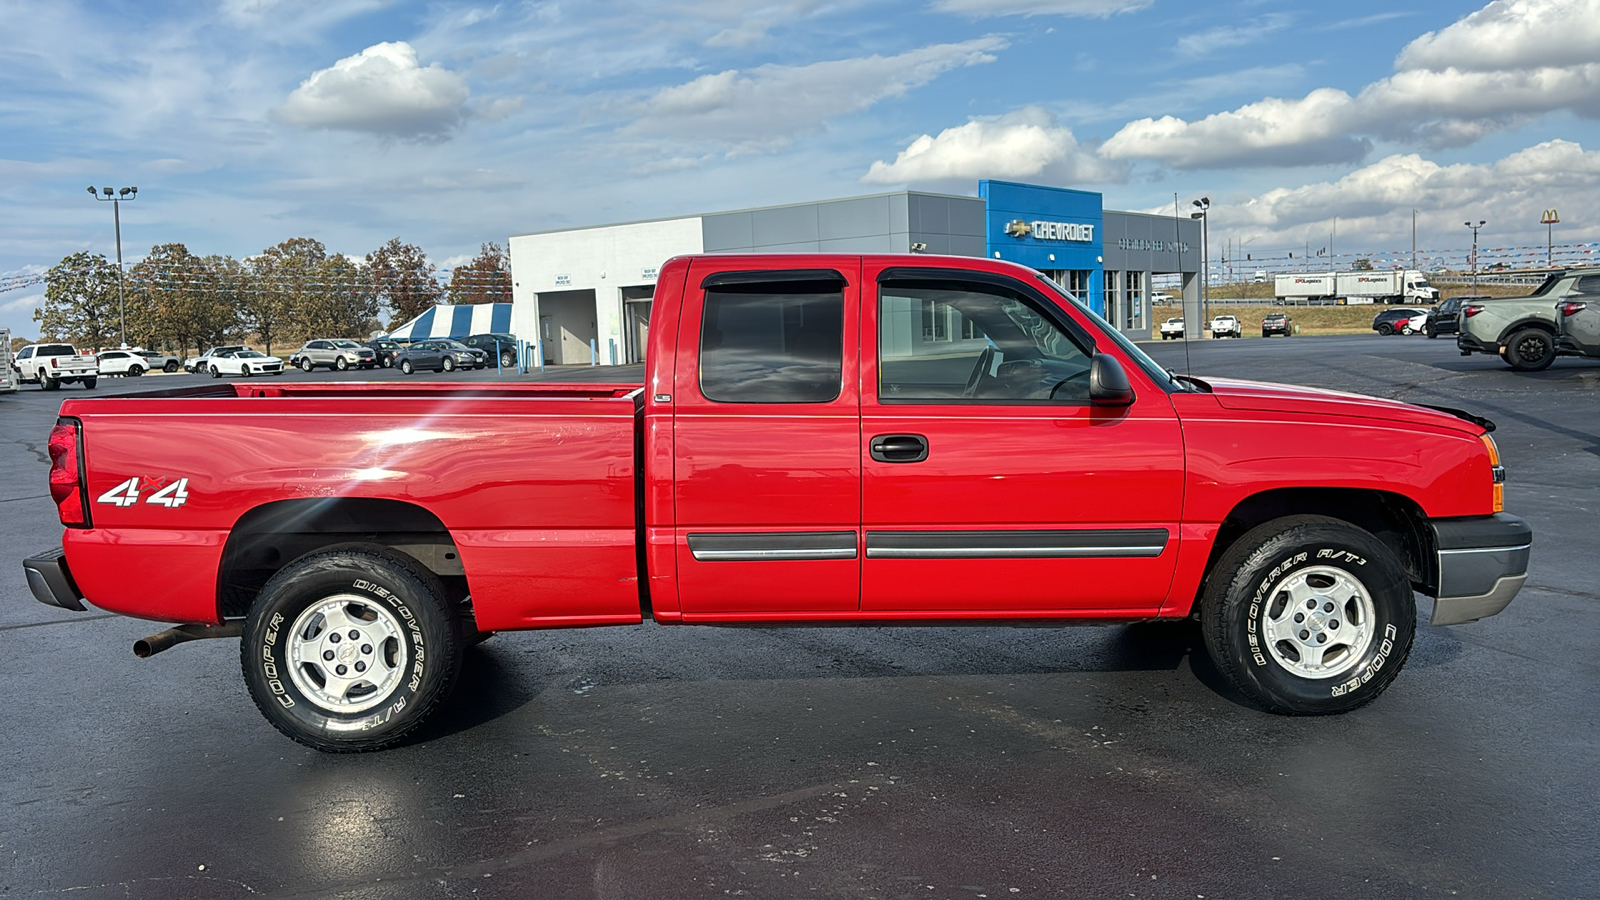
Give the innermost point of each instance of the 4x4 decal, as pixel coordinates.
(168, 493)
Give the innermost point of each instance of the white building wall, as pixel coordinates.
(604, 260)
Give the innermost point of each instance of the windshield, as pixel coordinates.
(1150, 367)
(249, 354)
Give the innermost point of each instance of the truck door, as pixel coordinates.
(766, 430)
(991, 487)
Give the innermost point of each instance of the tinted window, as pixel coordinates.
(773, 343)
(944, 343)
(1589, 284)
(55, 350)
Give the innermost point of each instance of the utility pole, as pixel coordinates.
(1203, 205)
(1475, 228)
(130, 194)
(1413, 239)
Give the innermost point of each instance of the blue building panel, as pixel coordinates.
(1047, 228)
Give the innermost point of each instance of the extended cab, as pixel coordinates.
(1523, 330)
(52, 365)
(820, 439)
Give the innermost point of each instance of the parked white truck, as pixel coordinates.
(1387, 286)
(52, 365)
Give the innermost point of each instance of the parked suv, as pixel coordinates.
(502, 345)
(1393, 319)
(1446, 317)
(335, 353)
(385, 349)
(1277, 323)
(1522, 330)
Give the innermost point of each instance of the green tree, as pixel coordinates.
(80, 302)
(487, 279)
(281, 278)
(338, 302)
(181, 300)
(404, 279)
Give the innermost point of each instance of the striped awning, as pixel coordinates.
(456, 322)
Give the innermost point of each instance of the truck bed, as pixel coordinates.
(549, 544)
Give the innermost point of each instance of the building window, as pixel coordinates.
(773, 343)
(1113, 287)
(1133, 314)
(1008, 350)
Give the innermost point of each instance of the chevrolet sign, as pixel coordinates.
(1051, 231)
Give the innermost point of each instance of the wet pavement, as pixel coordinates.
(831, 762)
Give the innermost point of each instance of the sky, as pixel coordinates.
(448, 124)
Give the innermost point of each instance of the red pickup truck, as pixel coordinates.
(820, 439)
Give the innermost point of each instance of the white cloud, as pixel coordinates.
(751, 25)
(1227, 37)
(381, 90)
(767, 107)
(1500, 67)
(1270, 132)
(1080, 8)
(1023, 144)
(1376, 200)
(1511, 34)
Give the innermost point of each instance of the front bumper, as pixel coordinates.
(51, 581)
(1483, 562)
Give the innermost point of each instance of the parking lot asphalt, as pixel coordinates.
(910, 762)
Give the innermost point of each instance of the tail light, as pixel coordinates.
(1471, 310)
(1572, 307)
(66, 473)
(1497, 472)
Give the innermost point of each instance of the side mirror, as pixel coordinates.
(1108, 382)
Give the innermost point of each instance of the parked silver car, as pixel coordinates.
(335, 353)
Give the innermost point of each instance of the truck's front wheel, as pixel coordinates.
(1308, 615)
(350, 649)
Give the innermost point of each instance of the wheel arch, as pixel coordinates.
(1526, 322)
(1395, 520)
(270, 536)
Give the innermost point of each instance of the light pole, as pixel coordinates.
(130, 194)
(1475, 228)
(1550, 220)
(1202, 205)
(1413, 239)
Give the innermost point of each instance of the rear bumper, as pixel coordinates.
(1466, 343)
(51, 581)
(1483, 562)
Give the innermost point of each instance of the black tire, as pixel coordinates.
(1430, 332)
(405, 366)
(306, 365)
(90, 382)
(135, 371)
(449, 364)
(170, 367)
(341, 364)
(387, 361)
(1531, 350)
(215, 372)
(244, 370)
(49, 384)
(507, 359)
(1385, 329)
(1352, 582)
(402, 663)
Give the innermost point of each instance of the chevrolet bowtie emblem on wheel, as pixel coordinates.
(1018, 228)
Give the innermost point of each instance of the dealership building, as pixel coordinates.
(585, 293)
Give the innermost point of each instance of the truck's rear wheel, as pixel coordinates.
(350, 649)
(1308, 615)
(49, 384)
(1530, 350)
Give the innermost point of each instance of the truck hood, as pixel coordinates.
(1287, 398)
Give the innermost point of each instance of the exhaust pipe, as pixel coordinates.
(155, 643)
